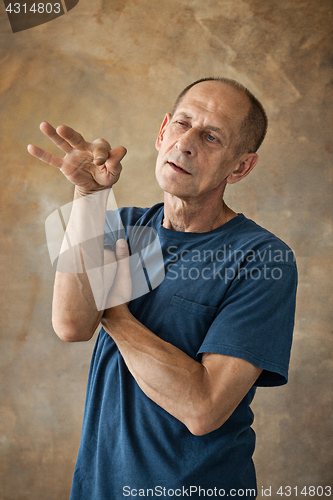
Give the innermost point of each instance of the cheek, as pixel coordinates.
(213, 172)
(168, 141)
(159, 159)
(159, 167)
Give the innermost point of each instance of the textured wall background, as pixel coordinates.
(112, 69)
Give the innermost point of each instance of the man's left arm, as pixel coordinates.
(202, 395)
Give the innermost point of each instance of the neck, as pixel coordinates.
(193, 216)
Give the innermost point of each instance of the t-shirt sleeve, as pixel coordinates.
(255, 321)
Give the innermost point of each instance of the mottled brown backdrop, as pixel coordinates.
(112, 69)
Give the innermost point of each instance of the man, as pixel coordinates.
(174, 371)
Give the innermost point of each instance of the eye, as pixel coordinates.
(211, 138)
(182, 124)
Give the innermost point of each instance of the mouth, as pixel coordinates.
(177, 168)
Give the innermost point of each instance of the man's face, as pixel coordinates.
(197, 144)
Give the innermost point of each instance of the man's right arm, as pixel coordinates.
(77, 299)
(93, 168)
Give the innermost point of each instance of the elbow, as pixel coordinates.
(69, 332)
(201, 425)
(207, 420)
(200, 428)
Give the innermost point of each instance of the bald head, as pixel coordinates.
(253, 119)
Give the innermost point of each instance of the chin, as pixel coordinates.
(182, 194)
(174, 188)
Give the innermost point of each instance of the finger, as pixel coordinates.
(74, 138)
(49, 158)
(51, 133)
(101, 149)
(113, 164)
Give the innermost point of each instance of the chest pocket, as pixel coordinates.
(186, 324)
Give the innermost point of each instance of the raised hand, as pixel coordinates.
(91, 166)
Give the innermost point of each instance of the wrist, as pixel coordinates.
(80, 192)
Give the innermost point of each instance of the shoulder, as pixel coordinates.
(257, 244)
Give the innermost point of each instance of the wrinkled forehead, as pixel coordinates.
(218, 98)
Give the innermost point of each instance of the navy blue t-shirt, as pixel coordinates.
(229, 291)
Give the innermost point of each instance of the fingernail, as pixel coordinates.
(121, 243)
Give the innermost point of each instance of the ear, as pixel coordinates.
(243, 168)
(159, 139)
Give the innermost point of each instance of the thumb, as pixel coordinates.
(122, 287)
(122, 249)
(115, 156)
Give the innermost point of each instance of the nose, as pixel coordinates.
(187, 142)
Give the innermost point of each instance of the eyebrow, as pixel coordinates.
(210, 127)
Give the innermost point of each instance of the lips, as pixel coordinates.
(178, 168)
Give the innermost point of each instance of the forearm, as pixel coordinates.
(77, 310)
